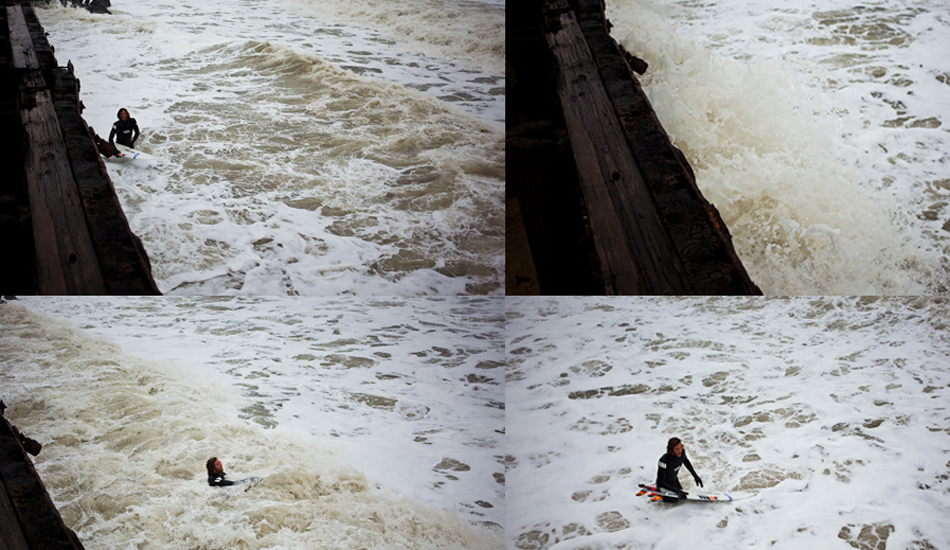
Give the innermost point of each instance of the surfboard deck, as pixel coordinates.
(247, 482)
(132, 154)
(656, 494)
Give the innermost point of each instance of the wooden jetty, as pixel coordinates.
(64, 228)
(28, 518)
(605, 203)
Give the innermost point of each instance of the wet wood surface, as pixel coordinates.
(635, 254)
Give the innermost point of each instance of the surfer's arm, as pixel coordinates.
(689, 467)
(112, 135)
(135, 132)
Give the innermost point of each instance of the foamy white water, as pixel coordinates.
(834, 410)
(818, 130)
(373, 423)
(298, 155)
(473, 31)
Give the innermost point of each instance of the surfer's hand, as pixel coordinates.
(698, 481)
(682, 494)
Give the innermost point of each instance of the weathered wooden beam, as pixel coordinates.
(541, 173)
(700, 237)
(65, 255)
(610, 174)
(635, 252)
(21, 42)
(43, 49)
(11, 536)
(122, 259)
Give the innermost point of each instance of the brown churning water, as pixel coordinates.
(126, 438)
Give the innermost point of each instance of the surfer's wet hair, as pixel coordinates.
(119, 113)
(210, 464)
(673, 442)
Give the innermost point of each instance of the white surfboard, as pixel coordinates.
(247, 482)
(132, 154)
(656, 494)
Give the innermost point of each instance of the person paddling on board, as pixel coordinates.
(669, 467)
(216, 475)
(125, 130)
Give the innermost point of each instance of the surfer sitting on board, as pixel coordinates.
(125, 130)
(216, 475)
(669, 467)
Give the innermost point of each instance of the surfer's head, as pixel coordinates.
(213, 465)
(123, 111)
(674, 446)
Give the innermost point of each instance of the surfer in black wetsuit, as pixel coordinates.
(125, 130)
(669, 467)
(216, 475)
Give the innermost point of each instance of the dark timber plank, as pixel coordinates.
(11, 536)
(21, 43)
(699, 235)
(122, 260)
(609, 205)
(635, 253)
(65, 255)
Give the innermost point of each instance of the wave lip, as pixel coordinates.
(471, 32)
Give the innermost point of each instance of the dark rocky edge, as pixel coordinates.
(28, 518)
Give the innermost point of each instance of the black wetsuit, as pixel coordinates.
(217, 480)
(125, 132)
(667, 470)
